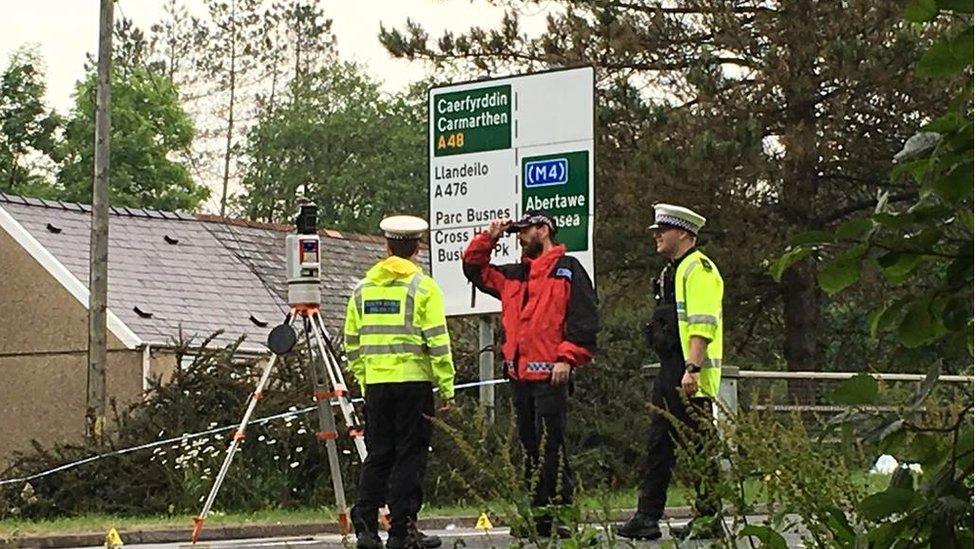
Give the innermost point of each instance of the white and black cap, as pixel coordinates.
(669, 215)
(403, 227)
(531, 218)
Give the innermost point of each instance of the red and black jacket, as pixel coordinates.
(549, 308)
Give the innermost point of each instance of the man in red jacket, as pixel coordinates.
(549, 327)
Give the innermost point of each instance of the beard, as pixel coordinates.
(532, 248)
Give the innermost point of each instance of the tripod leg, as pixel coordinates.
(328, 433)
(353, 423)
(331, 362)
(236, 440)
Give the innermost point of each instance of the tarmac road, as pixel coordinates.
(452, 537)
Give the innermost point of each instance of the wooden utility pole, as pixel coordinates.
(98, 255)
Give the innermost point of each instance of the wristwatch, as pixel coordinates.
(692, 368)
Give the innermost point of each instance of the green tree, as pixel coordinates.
(764, 115)
(231, 65)
(228, 58)
(174, 45)
(336, 139)
(922, 251)
(148, 126)
(297, 40)
(28, 128)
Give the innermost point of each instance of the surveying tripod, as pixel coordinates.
(328, 384)
(324, 371)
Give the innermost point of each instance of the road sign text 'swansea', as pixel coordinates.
(559, 184)
(547, 172)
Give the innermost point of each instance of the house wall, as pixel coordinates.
(162, 364)
(43, 396)
(43, 357)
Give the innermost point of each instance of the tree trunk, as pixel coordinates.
(274, 80)
(801, 312)
(298, 58)
(801, 303)
(230, 110)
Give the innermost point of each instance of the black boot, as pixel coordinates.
(368, 541)
(640, 526)
(545, 526)
(563, 531)
(364, 521)
(403, 539)
(425, 541)
(700, 528)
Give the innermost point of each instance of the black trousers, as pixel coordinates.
(540, 410)
(397, 442)
(663, 439)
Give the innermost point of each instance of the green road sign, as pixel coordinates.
(559, 184)
(497, 148)
(472, 120)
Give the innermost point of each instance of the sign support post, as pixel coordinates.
(486, 365)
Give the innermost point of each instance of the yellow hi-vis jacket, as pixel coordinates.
(396, 330)
(698, 290)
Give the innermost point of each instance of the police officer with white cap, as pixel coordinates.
(398, 347)
(685, 332)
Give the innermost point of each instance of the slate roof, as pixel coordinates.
(345, 259)
(195, 271)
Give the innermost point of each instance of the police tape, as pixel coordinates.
(215, 430)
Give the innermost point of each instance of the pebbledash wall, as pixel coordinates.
(169, 273)
(43, 356)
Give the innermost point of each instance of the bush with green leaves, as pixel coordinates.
(281, 464)
(925, 254)
(813, 477)
(486, 469)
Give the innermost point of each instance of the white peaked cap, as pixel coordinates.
(677, 216)
(403, 227)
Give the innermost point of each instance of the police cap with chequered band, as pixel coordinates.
(403, 227)
(669, 215)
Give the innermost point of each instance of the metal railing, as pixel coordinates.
(731, 376)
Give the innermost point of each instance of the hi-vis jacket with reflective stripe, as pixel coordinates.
(395, 328)
(698, 293)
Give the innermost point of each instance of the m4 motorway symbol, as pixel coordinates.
(542, 173)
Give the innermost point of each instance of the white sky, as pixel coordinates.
(65, 30)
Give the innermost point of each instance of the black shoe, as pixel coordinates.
(411, 538)
(699, 528)
(425, 541)
(403, 541)
(368, 540)
(543, 527)
(563, 532)
(640, 526)
(364, 522)
(428, 541)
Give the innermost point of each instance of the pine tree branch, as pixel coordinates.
(722, 91)
(657, 8)
(863, 205)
